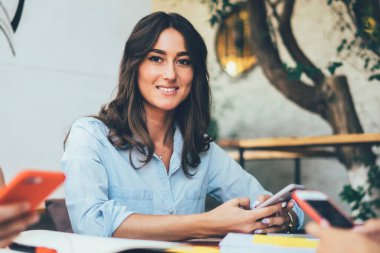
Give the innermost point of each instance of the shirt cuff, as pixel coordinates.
(300, 216)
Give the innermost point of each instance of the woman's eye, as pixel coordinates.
(184, 62)
(155, 59)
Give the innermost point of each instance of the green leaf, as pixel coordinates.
(225, 4)
(341, 46)
(376, 66)
(311, 71)
(366, 62)
(213, 20)
(333, 66)
(355, 206)
(221, 14)
(374, 77)
(294, 73)
(348, 194)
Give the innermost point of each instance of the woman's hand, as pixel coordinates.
(371, 229)
(236, 216)
(278, 222)
(14, 218)
(334, 240)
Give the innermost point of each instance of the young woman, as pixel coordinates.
(142, 168)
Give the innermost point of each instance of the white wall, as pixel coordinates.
(66, 67)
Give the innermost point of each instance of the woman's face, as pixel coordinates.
(166, 73)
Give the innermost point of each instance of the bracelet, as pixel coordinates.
(292, 224)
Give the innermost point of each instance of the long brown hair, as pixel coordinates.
(125, 116)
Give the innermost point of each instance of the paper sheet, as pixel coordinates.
(74, 243)
(246, 243)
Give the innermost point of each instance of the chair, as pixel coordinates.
(57, 210)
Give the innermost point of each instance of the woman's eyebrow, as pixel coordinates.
(159, 51)
(183, 53)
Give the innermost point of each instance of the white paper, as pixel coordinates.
(74, 243)
(243, 243)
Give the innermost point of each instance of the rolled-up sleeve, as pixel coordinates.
(300, 214)
(90, 209)
(227, 179)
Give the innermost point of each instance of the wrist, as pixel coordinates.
(201, 225)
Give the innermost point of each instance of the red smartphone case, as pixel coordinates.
(308, 209)
(32, 186)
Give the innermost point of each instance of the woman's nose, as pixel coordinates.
(169, 72)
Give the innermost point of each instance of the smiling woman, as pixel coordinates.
(142, 168)
(165, 78)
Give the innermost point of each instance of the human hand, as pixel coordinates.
(371, 228)
(14, 218)
(334, 240)
(280, 221)
(235, 216)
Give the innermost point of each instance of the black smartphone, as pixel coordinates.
(320, 207)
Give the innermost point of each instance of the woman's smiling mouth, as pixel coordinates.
(167, 89)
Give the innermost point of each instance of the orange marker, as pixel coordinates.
(30, 249)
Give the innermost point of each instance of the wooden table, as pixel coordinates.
(294, 147)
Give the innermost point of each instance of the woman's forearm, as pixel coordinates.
(232, 216)
(164, 227)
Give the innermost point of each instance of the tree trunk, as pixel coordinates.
(329, 97)
(342, 117)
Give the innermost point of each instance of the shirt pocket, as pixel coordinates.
(193, 202)
(195, 194)
(136, 200)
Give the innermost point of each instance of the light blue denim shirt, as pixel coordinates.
(103, 189)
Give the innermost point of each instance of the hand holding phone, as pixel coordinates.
(14, 218)
(31, 186)
(320, 208)
(281, 196)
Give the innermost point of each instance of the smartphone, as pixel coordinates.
(32, 186)
(319, 206)
(281, 196)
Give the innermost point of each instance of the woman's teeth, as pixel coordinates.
(166, 89)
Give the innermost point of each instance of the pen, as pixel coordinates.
(30, 249)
